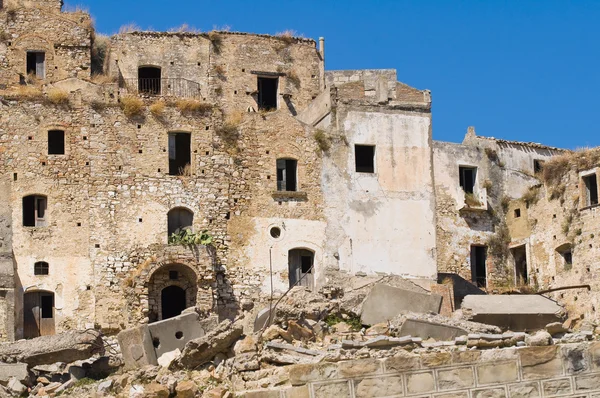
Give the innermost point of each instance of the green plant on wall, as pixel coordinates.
(186, 237)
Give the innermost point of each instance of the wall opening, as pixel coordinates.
(566, 255)
(36, 64)
(519, 255)
(517, 213)
(478, 267)
(56, 142)
(267, 92)
(172, 301)
(38, 314)
(467, 176)
(41, 268)
(286, 175)
(364, 158)
(34, 211)
(591, 190)
(180, 154)
(149, 80)
(538, 166)
(300, 267)
(179, 218)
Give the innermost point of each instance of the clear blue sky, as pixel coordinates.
(519, 70)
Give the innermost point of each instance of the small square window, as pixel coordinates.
(517, 213)
(41, 268)
(173, 275)
(538, 165)
(364, 157)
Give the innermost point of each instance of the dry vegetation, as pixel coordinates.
(130, 27)
(158, 108)
(216, 40)
(471, 200)
(287, 36)
(322, 139)
(4, 36)
(27, 93)
(229, 132)
(556, 168)
(193, 107)
(100, 45)
(132, 106)
(293, 78)
(185, 28)
(531, 196)
(58, 97)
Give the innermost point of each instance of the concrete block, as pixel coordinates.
(359, 367)
(17, 370)
(492, 373)
(298, 392)
(489, 393)
(556, 387)
(379, 387)
(302, 374)
(540, 362)
(172, 334)
(385, 302)
(455, 379)
(587, 382)
(524, 390)
(453, 394)
(435, 359)
(426, 330)
(136, 347)
(514, 312)
(402, 363)
(420, 383)
(328, 390)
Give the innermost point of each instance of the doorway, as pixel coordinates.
(478, 268)
(301, 268)
(38, 314)
(172, 301)
(519, 255)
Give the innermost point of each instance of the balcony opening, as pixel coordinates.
(364, 158)
(36, 64)
(41, 268)
(591, 190)
(149, 80)
(34, 211)
(478, 268)
(56, 142)
(267, 93)
(467, 176)
(180, 154)
(286, 175)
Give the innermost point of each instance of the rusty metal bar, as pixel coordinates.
(565, 288)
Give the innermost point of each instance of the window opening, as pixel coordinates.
(538, 165)
(34, 211)
(41, 268)
(149, 80)
(36, 64)
(180, 154)
(467, 177)
(517, 213)
(478, 268)
(47, 306)
(364, 156)
(179, 218)
(286, 175)
(267, 92)
(591, 190)
(56, 142)
(173, 275)
(519, 255)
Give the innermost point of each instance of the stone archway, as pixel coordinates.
(172, 285)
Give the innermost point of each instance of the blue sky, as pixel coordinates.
(519, 70)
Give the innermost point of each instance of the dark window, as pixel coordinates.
(286, 175)
(364, 157)
(478, 269)
(568, 256)
(591, 190)
(517, 213)
(180, 154)
(173, 275)
(267, 92)
(538, 165)
(34, 211)
(47, 306)
(467, 177)
(36, 64)
(520, 258)
(306, 262)
(179, 218)
(41, 268)
(56, 142)
(149, 80)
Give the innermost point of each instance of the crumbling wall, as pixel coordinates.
(7, 272)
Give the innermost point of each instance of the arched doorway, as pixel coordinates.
(172, 301)
(149, 80)
(178, 219)
(38, 314)
(300, 267)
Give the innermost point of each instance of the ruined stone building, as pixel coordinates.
(112, 148)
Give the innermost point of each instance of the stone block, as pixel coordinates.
(401, 363)
(556, 387)
(489, 393)
(17, 370)
(462, 357)
(298, 392)
(540, 362)
(595, 353)
(524, 390)
(454, 394)
(455, 379)
(502, 372)
(337, 389)
(385, 302)
(378, 387)
(302, 374)
(136, 347)
(359, 367)
(261, 394)
(576, 358)
(436, 359)
(426, 330)
(420, 383)
(587, 382)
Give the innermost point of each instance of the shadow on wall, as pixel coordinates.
(461, 287)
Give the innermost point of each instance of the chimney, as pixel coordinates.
(322, 47)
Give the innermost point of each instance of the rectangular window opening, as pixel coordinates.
(364, 157)
(56, 142)
(591, 190)
(41, 268)
(467, 176)
(34, 211)
(306, 264)
(47, 305)
(538, 166)
(267, 93)
(519, 255)
(180, 154)
(478, 268)
(286, 175)
(517, 213)
(36, 64)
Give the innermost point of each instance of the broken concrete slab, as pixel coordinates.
(385, 302)
(516, 312)
(13, 370)
(426, 330)
(301, 350)
(64, 347)
(173, 333)
(137, 348)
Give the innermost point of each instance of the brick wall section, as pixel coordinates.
(566, 370)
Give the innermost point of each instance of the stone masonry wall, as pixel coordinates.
(571, 370)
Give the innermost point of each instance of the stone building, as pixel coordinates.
(281, 173)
